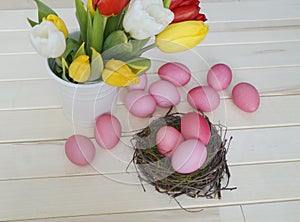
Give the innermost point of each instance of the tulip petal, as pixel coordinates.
(90, 8)
(48, 40)
(79, 69)
(117, 73)
(145, 18)
(181, 36)
(58, 22)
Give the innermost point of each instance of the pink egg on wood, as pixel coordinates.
(107, 131)
(175, 72)
(140, 103)
(203, 98)
(219, 76)
(80, 150)
(195, 126)
(189, 156)
(164, 93)
(167, 140)
(142, 85)
(246, 97)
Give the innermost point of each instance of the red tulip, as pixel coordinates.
(110, 7)
(201, 17)
(185, 13)
(177, 3)
(185, 10)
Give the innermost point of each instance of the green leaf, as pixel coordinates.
(120, 52)
(80, 51)
(137, 47)
(139, 44)
(115, 38)
(71, 44)
(167, 3)
(89, 33)
(31, 22)
(65, 68)
(96, 66)
(58, 61)
(139, 65)
(97, 32)
(114, 23)
(43, 10)
(81, 15)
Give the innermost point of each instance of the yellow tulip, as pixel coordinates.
(90, 7)
(79, 69)
(117, 73)
(58, 22)
(181, 36)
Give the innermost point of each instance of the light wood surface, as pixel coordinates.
(260, 40)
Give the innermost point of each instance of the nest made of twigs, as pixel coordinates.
(154, 168)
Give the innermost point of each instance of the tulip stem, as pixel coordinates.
(167, 3)
(148, 48)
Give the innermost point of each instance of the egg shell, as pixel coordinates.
(142, 85)
(203, 98)
(189, 156)
(107, 131)
(140, 103)
(195, 126)
(175, 72)
(80, 150)
(164, 93)
(219, 76)
(246, 97)
(167, 140)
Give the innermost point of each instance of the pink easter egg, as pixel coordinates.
(189, 156)
(167, 139)
(140, 103)
(107, 131)
(246, 97)
(203, 98)
(219, 76)
(175, 72)
(164, 93)
(195, 126)
(142, 85)
(80, 150)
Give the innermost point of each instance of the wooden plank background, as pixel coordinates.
(258, 39)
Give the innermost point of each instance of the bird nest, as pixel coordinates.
(154, 168)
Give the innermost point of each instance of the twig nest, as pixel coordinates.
(182, 177)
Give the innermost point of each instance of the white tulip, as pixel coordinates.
(47, 40)
(146, 18)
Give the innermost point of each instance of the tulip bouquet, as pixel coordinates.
(113, 36)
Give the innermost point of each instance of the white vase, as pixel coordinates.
(83, 103)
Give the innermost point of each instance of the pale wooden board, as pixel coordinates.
(237, 14)
(57, 197)
(247, 147)
(27, 94)
(262, 52)
(241, 56)
(214, 214)
(34, 125)
(18, 42)
(281, 212)
(24, 4)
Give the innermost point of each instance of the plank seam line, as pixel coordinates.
(160, 210)
(243, 214)
(106, 175)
